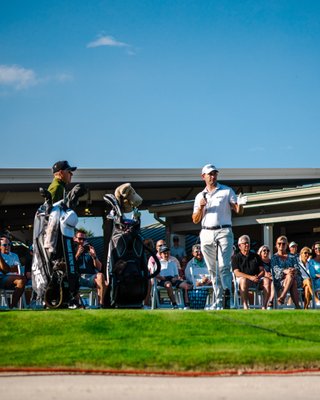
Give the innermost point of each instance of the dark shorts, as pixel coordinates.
(3, 282)
(87, 280)
(176, 284)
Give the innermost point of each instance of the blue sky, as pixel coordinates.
(177, 84)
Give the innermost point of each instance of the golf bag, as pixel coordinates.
(55, 278)
(127, 268)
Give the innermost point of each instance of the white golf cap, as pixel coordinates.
(209, 168)
(68, 222)
(293, 244)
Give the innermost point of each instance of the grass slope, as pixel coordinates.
(160, 340)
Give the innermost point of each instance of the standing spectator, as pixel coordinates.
(314, 268)
(10, 277)
(176, 250)
(62, 175)
(306, 280)
(285, 272)
(213, 208)
(89, 266)
(249, 272)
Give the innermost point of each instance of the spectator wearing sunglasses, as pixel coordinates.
(10, 277)
(249, 272)
(314, 268)
(285, 272)
(62, 175)
(264, 253)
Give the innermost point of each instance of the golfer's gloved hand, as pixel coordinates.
(242, 200)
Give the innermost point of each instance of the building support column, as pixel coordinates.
(268, 235)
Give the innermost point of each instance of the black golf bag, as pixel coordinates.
(55, 278)
(127, 268)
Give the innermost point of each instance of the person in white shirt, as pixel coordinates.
(169, 277)
(196, 271)
(213, 208)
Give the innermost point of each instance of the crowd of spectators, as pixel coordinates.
(283, 276)
(286, 275)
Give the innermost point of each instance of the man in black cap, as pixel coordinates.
(62, 173)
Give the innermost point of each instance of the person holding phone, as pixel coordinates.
(89, 265)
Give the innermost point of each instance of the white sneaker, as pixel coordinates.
(186, 308)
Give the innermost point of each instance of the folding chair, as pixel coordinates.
(89, 297)
(256, 295)
(160, 298)
(6, 298)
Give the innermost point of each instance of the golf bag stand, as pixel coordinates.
(127, 270)
(55, 277)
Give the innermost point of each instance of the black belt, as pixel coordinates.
(213, 228)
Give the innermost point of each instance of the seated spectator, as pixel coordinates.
(196, 271)
(169, 277)
(182, 269)
(249, 272)
(314, 268)
(285, 272)
(176, 250)
(10, 277)
(89, 266)
(304, 271)
(264, 253)
(149, 245)
(293, 249)
(151, 261)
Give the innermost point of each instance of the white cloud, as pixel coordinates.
(18, 77)
(64, 77)
(107, 41)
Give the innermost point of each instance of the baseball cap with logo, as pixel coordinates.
(62, 166)
(209, 168)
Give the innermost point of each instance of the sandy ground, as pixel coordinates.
(69, 387)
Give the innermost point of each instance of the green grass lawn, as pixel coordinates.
(161, 340)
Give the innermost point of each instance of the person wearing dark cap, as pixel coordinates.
(169, 278)
(213, 208)
(62, 175)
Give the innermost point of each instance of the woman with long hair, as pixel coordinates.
(285, 272)
(305, 253)
(314, 268)
(264, 253)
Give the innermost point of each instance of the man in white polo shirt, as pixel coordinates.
(213, 208)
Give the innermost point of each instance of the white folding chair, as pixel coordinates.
(160, 298)
(89, 297)
(256, 293)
